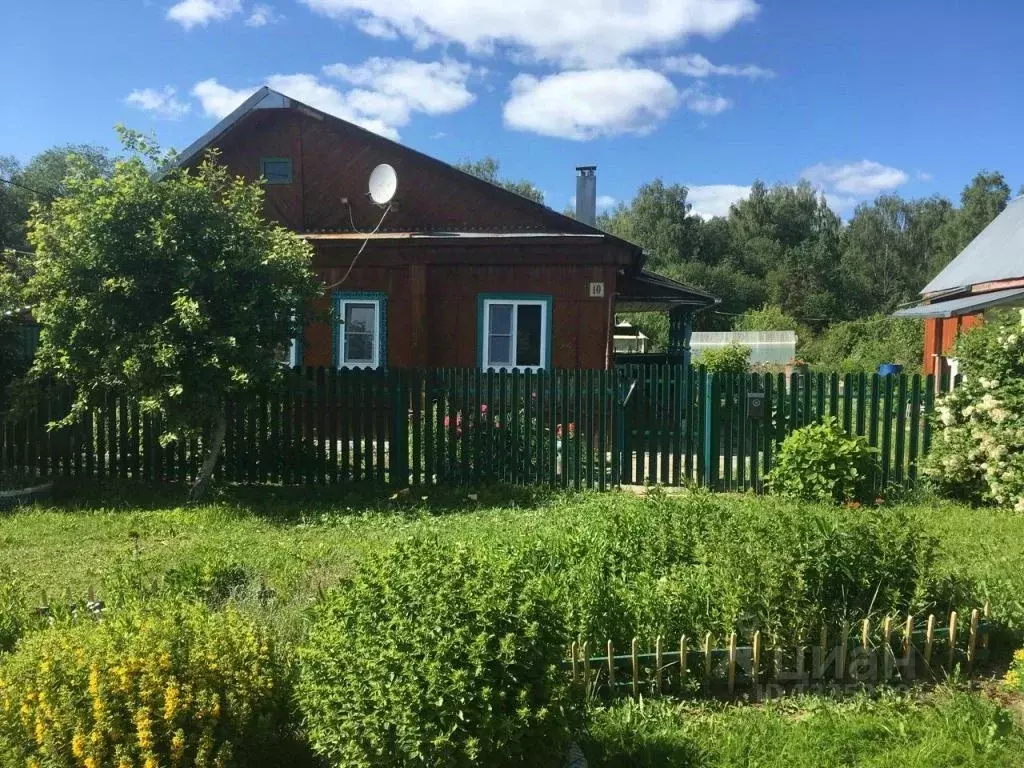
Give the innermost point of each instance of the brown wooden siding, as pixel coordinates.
(331, 161)
(432, 303)
(432, 284)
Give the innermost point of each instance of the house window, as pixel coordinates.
(515, 332)
(276, 170)
(360, 340)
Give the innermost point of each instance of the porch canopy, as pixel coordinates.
(643, 291)
(965, 305)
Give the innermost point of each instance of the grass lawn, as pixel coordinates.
(945, 728)
(300, 541)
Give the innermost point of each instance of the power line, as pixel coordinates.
(26, 188)
(740, 314)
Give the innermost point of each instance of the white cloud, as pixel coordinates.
(193, 13)
(583, 105)
(262, 15)
(604, 203)
(709, 200)
(924, 176)
(392, 91)
(218, 100)
(161, 102)
(842, 204)
(862, 178)
(576, 32)
(435, 87)
(359, 107)
(695, 65)
(704, 103)
(375, 27)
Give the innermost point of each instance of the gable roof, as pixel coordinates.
(994, 255)
(267, 98)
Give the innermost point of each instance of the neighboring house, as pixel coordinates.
(456, 271)
(628, 339)
(988, 274)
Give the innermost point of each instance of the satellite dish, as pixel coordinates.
(383, 184)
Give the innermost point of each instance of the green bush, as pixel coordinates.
(173, 686)
(731, 358)
(862, 345)
(13, 610)
(699, 563)
(978, 449)
(438, 655)
(821, 463)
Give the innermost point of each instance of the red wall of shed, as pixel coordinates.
(940, 335)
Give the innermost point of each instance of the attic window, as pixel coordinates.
(276, 170)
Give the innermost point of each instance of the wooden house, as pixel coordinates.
(455, 271)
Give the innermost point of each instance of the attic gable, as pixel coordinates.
(332, 160)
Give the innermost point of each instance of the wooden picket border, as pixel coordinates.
(904, 650)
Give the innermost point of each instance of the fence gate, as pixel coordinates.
(659, 418)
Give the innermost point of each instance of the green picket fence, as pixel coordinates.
(633, 425)
(891, 412)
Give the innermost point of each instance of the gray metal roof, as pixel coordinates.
(996, 254)
(966, 305)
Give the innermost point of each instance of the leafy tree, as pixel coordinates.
(770, 317)
(12, 284)
(737, 289)
(863, 345)
(659, 220)
(888, 249)
(40, 181)
(487, 169)
(176, 291)
(980, 202)
(13, 204)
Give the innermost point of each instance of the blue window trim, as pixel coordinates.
(545, 298)
(382, 323)
(263, 166)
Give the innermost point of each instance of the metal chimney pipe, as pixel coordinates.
(586, 194)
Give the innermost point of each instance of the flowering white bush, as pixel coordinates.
(978, 450)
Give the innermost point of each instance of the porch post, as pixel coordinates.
(680, 326)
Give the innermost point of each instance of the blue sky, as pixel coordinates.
(911, 96)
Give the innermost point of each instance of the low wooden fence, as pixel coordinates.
(900, 650)
(567, 428)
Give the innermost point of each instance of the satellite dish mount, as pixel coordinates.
(383, 184)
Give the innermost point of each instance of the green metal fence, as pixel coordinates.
(633, 425)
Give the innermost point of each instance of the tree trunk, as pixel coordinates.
(202, 483)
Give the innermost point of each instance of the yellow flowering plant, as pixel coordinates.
(1014, 680)
(171, 685)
